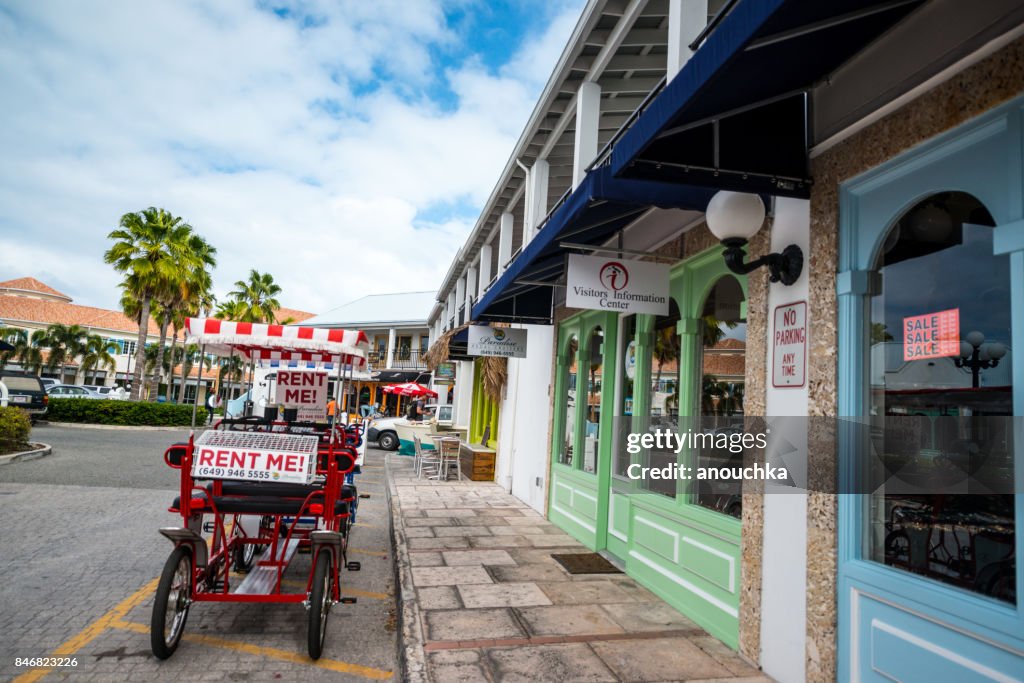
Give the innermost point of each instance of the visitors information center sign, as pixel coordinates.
(306, 391)
(496, 341)
(617, 285)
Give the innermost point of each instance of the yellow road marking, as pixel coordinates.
(92, 631)
(271, 652)
(344, 591)
(366, 526)
(375, 553)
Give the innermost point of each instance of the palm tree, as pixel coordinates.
(154, 250)
(259, 296)
(98, 352)
(28, 350)
(66, 343)
(230, 309)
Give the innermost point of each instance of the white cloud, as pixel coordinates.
(247, 125)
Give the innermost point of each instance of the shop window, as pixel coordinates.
(593, 406)
(569, 430)
(622, 458)
(663, 396)
(723, 370)
(941, 396)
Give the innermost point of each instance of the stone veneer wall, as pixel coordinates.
(977, 89)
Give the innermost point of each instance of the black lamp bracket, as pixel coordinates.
(785, 267)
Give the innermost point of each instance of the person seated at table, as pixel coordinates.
(415, 413)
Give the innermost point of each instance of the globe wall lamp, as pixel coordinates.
(976, 357)
(735, 217)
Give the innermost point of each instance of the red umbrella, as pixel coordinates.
(409, 389)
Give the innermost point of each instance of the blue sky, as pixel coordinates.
(344, 146)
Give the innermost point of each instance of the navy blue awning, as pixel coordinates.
(736, 115)
(598, 208)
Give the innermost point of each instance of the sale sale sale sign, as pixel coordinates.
(932, 335)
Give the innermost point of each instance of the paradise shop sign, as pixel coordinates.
(617, 285)
(306, 391)
(496, 341)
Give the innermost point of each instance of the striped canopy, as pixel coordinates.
(260, 341)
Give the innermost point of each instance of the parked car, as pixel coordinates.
(25, 391)
(49, 382)
(382, 430)
(71, 391)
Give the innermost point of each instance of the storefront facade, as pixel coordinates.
(935, 228)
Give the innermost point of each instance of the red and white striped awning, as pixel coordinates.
(259, 341)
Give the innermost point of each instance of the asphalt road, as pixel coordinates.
(80, 553)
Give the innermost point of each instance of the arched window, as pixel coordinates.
(723, 371)
(592, 412)
(569, 428)
(940, 380)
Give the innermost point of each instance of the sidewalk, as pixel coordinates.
(483, 600)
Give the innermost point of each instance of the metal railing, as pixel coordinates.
(404, 359)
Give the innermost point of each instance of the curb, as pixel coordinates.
(411, 656)
(43, 449)
(126, 428)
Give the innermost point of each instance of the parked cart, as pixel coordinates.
(255, 491)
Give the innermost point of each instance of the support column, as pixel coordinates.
(471, 283)
(505, 240)
(686, 19)
(391, 347)
(536, 198)
(484, 269)
(460, 297)
(588, 116)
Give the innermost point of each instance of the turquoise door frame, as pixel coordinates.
(894, 625)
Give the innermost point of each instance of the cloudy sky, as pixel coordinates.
(345, 146)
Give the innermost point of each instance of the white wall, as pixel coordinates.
(523, 420)
(784, 554)
(463, 395)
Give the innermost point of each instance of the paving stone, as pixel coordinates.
(585, 592)
(655, 616)
(502, 595)
(523, 521)
(496, 512)
(725, 655)
(658, 659)
(468, 557)
(450, 512)
(554, 541)
(530, 572)
(568, 620)
(498, 541)
(515, 530)
(438, 543)
(429, 521)
(448, 576)
(426, 559)
(438, 597)
(461, 531)
(635, 590)
(471, 624)
(563, 662)
(419, 532)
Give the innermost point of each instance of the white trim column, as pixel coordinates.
(588, 116)
(686, 19)
(507, 224)
(485, 269)
(391, 347)
(471, 283)
(536, 198)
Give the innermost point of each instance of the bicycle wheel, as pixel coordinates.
(173, 597)
(319, 604)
